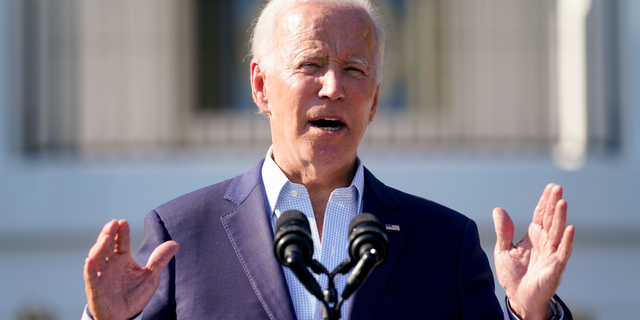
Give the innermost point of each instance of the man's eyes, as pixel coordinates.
(310, 65)
(354, 69)
(356, 72)
(314, 66)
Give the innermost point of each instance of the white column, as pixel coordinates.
(570, 152)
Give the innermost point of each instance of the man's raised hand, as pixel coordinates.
(116, 286)
(530, 271)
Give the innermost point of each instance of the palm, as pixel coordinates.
(531, 270)
(116, 287)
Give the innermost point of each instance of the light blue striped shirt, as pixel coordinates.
(343, 205)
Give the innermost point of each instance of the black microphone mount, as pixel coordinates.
(293, 247)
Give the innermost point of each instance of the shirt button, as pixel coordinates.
(294, 193)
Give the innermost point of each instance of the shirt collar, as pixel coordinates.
(274, 180)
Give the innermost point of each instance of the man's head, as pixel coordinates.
(264, 36)
(318, 83)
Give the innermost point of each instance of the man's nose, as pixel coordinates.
(332, 85)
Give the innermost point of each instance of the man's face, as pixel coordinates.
(321, 92)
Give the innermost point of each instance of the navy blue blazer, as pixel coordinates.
(225, 267)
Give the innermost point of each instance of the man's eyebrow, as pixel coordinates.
(314, 55)
(354, 60)
(359, 61)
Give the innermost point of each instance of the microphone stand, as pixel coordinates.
(293, 248)
(330, 304)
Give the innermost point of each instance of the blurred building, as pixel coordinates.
(111, 107)
(117, 76)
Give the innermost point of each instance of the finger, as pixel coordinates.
(101, 251)
(566, 245)
(161, 256)
(91, 278)
(123, 237)
(110, 228)
(538, 213)
(104, 246)
(90, 273)
(91, 283)
(559, 223)
(504, 230)
(554, 197)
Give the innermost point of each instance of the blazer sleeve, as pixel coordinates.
(476, 285)
(162, 304)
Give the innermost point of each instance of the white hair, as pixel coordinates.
(264, 32)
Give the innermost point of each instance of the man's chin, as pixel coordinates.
(331, 154)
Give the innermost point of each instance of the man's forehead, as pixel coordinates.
(325, 19)
(292, 23)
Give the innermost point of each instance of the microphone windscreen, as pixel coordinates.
(292, 216)
(364, 218)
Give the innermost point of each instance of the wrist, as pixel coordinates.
(523, 312)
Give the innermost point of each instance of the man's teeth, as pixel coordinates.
(329, 129)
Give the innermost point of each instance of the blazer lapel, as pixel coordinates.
(250, 232)
(378, 201)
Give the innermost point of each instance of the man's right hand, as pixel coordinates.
(117, 287)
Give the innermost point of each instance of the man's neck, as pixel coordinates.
(319, 180)
(317, 177)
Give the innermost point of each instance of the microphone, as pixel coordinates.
(368, 245)
(293, 247)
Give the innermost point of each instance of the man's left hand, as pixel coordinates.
(530, 271)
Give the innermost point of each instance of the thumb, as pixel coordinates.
(504, 229)
(161, 256)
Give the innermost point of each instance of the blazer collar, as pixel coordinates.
(249, 230)
(379, 201)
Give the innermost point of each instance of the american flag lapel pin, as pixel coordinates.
(392, 227)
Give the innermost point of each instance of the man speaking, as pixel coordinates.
(316, 71)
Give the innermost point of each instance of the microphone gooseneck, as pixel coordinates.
(293, 248)
(368, 247)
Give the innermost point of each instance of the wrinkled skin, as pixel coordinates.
(325, 58)
(116, 287)
(530, 271)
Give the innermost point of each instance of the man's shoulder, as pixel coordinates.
(198, 199)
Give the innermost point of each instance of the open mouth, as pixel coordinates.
(327, 124)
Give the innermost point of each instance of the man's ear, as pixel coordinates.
(374, 106)
(259, 87)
